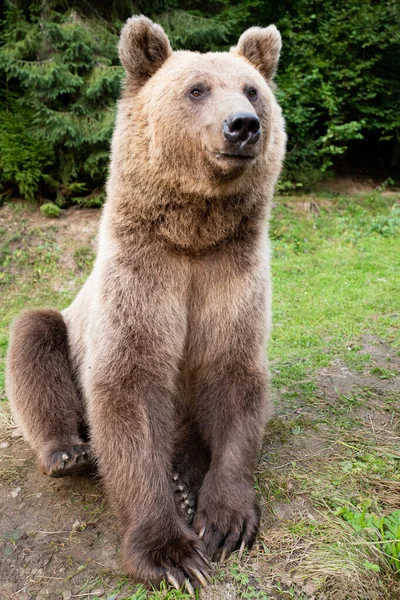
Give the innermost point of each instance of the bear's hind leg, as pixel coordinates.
(71, 459)
(42, 393)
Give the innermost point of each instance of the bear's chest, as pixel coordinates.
(198, 228)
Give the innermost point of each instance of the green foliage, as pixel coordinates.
(387, 225)
(93, 200)
(63, 68)
(338, 83)
(190, 30)
(246, 591)
(338, 80)
(325, 257)
(23, 158)
(384, 529)
(50, 210)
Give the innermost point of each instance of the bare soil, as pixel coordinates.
(349, 185)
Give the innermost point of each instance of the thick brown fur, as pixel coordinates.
(162, 353)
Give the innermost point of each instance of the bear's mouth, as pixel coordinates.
(240, 157)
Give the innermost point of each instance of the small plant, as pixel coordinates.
(385, 530)
(387, 225)
(245, 589)
(84, 257)
(50, 210)
(286, 187)
(383, 373)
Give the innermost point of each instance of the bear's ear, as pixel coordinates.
(261, 47)
(143, 48)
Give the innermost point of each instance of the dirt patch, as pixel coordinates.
(309, 206)
(354, 426)
(298, 508)
(55, 534)
(339, 380)
(382, 354)
(380, 374)
(348, 185)
(75, 228)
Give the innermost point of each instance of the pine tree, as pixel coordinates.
(65, 76)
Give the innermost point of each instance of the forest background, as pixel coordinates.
(338, 83)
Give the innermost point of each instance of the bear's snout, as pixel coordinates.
(242, 128)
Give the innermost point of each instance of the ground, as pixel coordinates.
(329, 474)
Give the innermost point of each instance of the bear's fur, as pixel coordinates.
(162, 353)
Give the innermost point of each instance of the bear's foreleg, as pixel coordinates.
(131, 423)
(233, 405)
(230, 398)
(131, 385)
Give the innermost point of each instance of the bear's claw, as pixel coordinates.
(204, 557)
(225, 553)
(241, 549)
(189, 588)
(222, 558)
(199, 576)
(172, 580)
(68, 461)
(184, 498)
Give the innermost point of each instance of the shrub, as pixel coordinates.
(50, 210)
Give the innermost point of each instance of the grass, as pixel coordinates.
(335, 277)
(329, 475)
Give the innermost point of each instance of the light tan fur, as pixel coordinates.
(166, 341)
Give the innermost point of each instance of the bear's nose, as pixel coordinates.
(243, 128)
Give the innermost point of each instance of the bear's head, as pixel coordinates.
(200, 122)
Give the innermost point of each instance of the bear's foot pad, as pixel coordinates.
(184, 498)
(67, 461)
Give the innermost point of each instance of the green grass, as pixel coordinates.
(335, 276)
(336, 265)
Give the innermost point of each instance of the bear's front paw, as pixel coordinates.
(177, 556)
(227, 522)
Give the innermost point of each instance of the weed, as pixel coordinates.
(384, 530)
(356, 360)
(84, 257)
(245, 589)
(383, 373)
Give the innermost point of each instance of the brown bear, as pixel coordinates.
(162, 354)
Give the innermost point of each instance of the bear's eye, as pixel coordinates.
(252, 94)
(196, 93)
